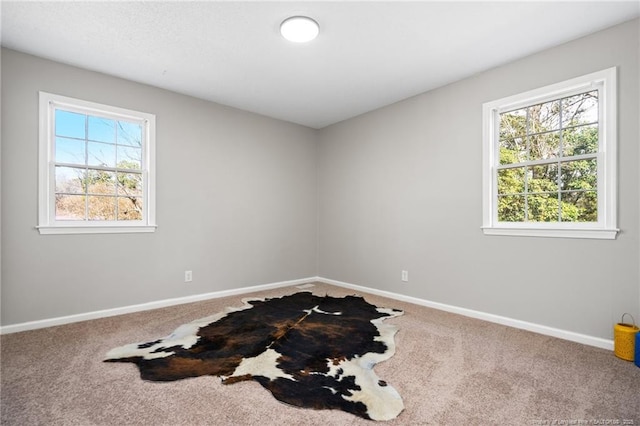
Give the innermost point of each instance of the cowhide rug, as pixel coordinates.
(309, 351)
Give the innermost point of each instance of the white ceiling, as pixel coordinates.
(368, 54)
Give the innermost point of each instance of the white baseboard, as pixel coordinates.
(524, 325)
(32, 325)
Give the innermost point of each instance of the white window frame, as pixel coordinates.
(605, 227)
(47, 223)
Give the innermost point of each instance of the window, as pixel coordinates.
(96, 168)
(549, 160)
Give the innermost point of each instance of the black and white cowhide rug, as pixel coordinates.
(309, 351)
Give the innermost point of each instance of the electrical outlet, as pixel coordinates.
(188, 276)
(405, 276)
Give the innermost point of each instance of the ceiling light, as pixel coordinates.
(299, 29)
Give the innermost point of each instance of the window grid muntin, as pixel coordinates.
(526, 165)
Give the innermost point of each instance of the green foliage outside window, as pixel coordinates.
(548, 164)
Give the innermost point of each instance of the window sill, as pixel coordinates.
(599, 234)
(60, 230)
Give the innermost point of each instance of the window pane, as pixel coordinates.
(543, 178)
(511, 181)
(579, 206)
(70, 151)
(130, 184)
(129, 134)
(544, 117)
(544, 146)
(580, 140)
(129, 157)
(70, 207)
(129, 208)
(101, 182)
(70, 180)
(581, 174)
(101, 154)
(542, 208)
(513, 151)
(511, 208)
(101, 208)
(513, 124)
(580, 109)
(102, 129)
(70, 124)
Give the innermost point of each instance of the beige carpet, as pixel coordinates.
(449, 369)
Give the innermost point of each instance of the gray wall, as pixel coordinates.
(236, 201)
(241, 199)
(400, 188)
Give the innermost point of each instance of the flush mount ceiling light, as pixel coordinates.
(299, 29)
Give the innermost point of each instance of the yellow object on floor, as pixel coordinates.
(624, 338)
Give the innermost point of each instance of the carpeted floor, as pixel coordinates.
(449, 369)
